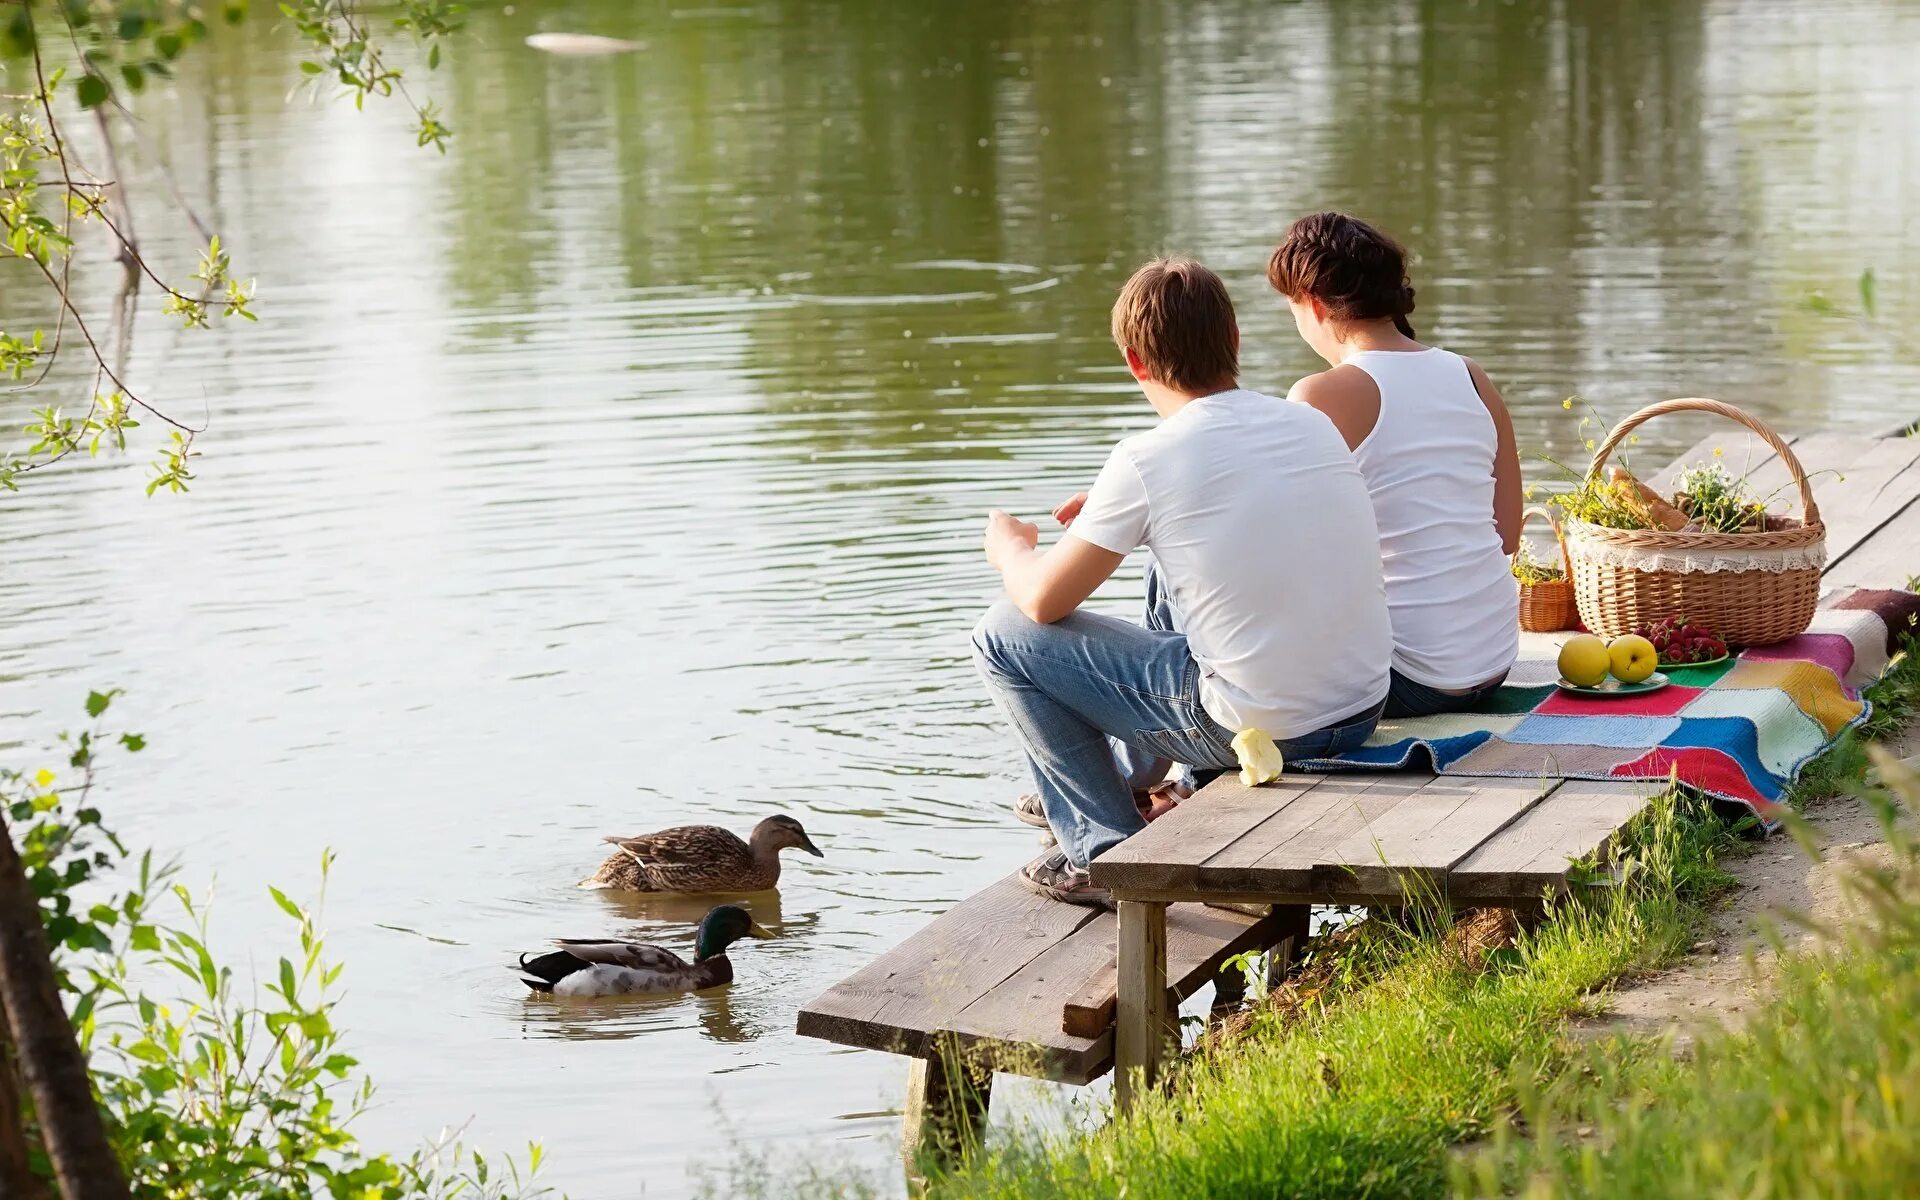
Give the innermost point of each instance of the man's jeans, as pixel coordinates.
(1102, 706)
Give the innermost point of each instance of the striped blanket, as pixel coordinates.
(1740, 730)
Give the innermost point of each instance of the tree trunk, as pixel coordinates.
(50, 1060)
(15, 1178)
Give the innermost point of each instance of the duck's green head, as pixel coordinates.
(723, 927)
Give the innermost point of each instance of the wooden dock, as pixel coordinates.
(1010, 981)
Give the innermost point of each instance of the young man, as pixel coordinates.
(1275, 614)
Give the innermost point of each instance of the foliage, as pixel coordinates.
(211, 1093)
(1529, 569)
(96, 55)
(1818, 1095)
(1612, 503)
(1718, 501)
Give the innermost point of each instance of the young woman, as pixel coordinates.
(1436, 448)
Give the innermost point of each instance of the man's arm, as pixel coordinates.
(1045, 585)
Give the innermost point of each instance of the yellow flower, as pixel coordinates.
(1590, 443)
(1528, 492)
(1633, 439)
(1567, 404)
(1719, 453)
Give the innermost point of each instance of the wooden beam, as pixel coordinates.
(946, 1110)
(1145, 1019)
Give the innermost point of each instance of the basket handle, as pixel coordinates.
(1810, 512)
(1553, 522)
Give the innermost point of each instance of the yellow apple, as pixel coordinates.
(1584, 660)
(1260, 760)
(1632, 658)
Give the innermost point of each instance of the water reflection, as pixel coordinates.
(624, 468)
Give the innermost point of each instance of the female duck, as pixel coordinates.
(702, 858)
(588, 968)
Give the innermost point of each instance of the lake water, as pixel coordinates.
(625, 466)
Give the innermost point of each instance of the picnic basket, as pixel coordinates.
(1752, 588)
(1547, 606)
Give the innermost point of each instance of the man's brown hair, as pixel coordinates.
(1176, 316)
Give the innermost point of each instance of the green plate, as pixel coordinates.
(1608, 689)
(1705, 662)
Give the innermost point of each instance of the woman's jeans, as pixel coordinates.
(1410, 699)
(1102, 707)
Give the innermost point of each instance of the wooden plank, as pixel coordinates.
(1282, 857)
(1143, 1023)
(1427, 833)
(1531, 855)
(1886, 559)
(894, 1002)
(1260, 818)
(1199, 939)
(1162, 854)
(1821, 454)
(1874, 488)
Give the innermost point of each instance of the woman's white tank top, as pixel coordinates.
(1429, 466)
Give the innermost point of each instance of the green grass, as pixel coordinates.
(1818, 1096)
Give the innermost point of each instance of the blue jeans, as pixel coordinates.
(1100, 705)
(1409, 699)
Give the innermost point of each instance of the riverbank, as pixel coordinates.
(1410, 1060)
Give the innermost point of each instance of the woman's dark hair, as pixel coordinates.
(1356, 271)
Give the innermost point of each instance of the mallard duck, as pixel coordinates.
(584, 967)
(702, 858)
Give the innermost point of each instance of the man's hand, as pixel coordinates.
(1070, 508)
(1007, 535)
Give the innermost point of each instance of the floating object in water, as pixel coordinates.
(579, 45)
(584, 967)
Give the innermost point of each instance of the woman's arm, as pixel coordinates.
(1508, 498)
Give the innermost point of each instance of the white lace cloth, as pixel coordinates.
(1704, 560)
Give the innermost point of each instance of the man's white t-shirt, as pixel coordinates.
(1264, 534)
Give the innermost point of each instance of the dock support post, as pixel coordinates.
(1295, 920)
(1144, 1025)
(946, 1111)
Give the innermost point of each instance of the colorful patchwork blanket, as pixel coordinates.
(1739, 730)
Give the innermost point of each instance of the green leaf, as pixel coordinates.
(132, 26)
(312, 68)
(1866, 291)
(433, 57)
(286, 906)
(287, 983)
(168, 46)
(135, 77)
(92, 91)
(97, 701)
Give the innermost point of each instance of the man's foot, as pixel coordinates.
(1152, 804)
(1029, 810)
(1052, 876)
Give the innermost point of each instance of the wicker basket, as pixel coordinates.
(1547, 607)
(1753, 589)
